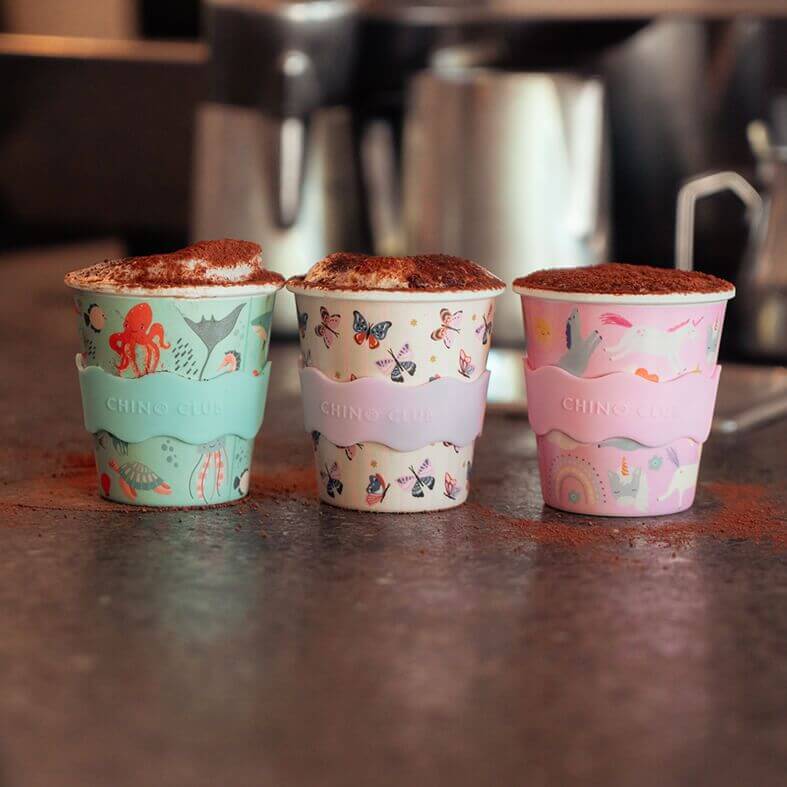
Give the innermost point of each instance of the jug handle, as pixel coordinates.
(704, 186)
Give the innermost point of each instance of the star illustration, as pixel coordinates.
(433, 359)
(473, 318)
(413, 323)
(374, 463)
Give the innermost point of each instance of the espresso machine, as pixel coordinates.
(399, 128)
(274, 160)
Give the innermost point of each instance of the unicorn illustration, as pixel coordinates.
(712, 336)
(683, 479)
(629, 487)
(651, 341)
(577, 356)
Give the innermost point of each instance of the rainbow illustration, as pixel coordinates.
(575, 482)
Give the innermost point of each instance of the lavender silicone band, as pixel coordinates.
(621, 404)
(403, 418)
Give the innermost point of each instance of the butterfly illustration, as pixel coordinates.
(484, 330)
(451, 445)
(418, 479)
(376, 490)
(452, 489)
(374, 334)
(351, 450)
(328, 329)
(331, 476)
(401, 363)
(466, 368)
(449, 328)
(303, 320)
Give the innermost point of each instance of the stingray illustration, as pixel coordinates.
(212, 331)
(576, 358)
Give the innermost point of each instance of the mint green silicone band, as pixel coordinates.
(166, 404)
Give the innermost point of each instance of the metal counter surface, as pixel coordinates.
(287, 643)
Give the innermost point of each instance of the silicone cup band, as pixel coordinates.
(403, 418)
(591, 410)
(165, 404)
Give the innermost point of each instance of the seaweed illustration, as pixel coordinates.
(120, 446)
(212, 331)
(183, 356)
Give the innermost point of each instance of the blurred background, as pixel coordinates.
(524, 134)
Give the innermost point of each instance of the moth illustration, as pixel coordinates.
(303, 320)
(366, 332)
(328, 329)
(376, 490)
(332, 478)
(418, 480)
(484, 330)
(402, 363)
(466, 367)
(351, 450)
(452, 488)
(450, 326)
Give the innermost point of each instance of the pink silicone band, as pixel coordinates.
(401, 417)
(590, 410)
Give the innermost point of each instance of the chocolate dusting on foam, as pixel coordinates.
(423, 272)
(209, 263)
(617, 278)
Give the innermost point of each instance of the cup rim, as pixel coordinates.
(397, 296)
(654, 299)
(207, 292)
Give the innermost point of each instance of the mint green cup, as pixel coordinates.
(173, 392)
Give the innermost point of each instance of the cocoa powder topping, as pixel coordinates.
(617, 278)
(212, 263)
(424, 273)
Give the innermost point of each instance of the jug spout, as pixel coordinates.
(704, 186)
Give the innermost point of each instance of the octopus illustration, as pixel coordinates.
(135, 476)
(208, 475)
(139, 330)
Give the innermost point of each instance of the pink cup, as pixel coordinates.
(626, 438)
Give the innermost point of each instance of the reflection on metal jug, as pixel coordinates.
(507, 168)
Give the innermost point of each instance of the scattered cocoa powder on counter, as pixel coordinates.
(617, 278)
(77, 460)
(296, 482)
(742, 512)
(731, 511)
(745, 514)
